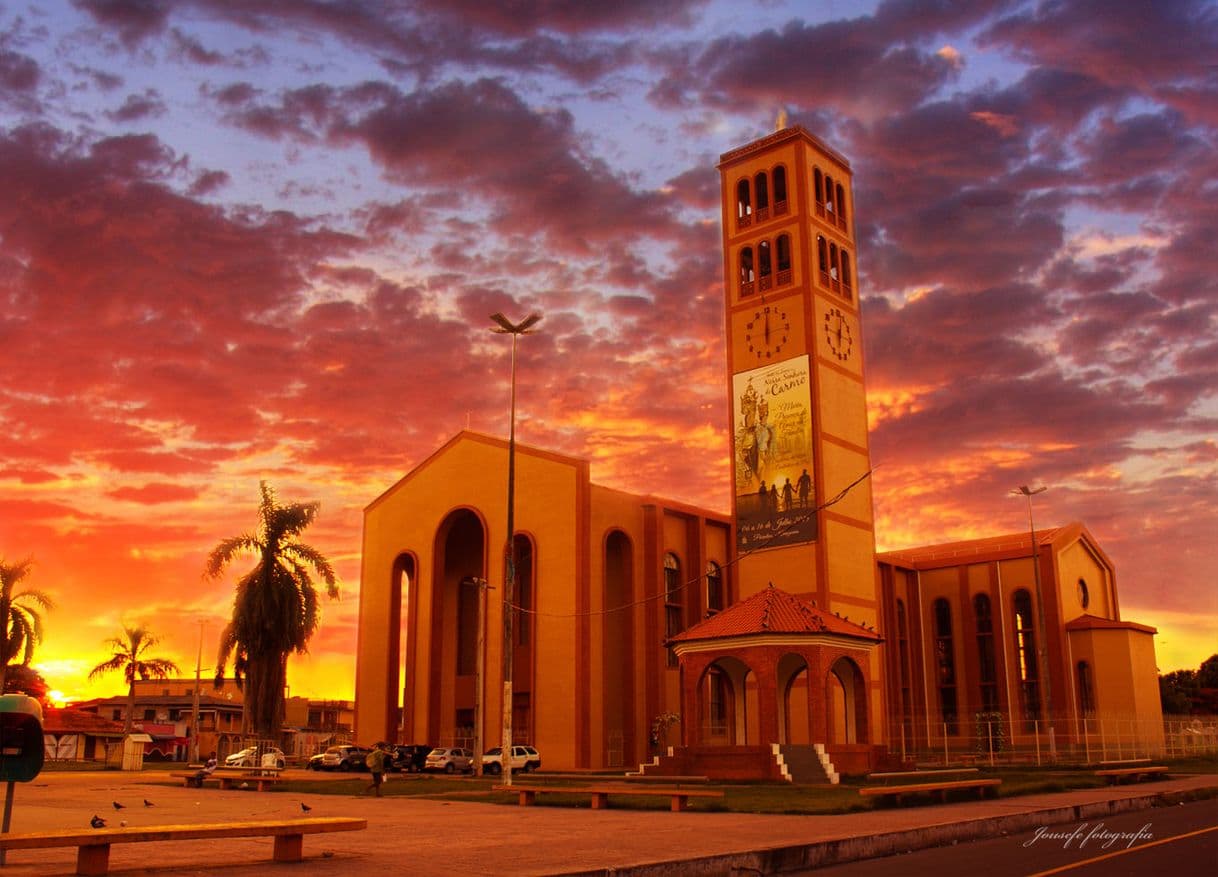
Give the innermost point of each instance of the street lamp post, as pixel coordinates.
(504, 326)
(1043, 642)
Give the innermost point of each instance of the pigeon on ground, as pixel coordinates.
(118, 806)
(305, 808)
(148, 803)
(97, 822)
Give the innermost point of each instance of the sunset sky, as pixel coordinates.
(248, 239)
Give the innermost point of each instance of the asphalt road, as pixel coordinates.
(1181, 841)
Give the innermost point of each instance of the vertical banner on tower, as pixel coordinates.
(772, 426)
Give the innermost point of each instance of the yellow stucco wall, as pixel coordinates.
(851, 571)
(1125, 683)
(792, 568)
(406, 518)
(1077, 562)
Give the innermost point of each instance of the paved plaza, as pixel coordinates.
(410, 835)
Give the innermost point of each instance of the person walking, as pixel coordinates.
(375, 761)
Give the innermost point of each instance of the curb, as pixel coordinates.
(839, 851)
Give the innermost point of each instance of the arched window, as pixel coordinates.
(784, 259)
(1084, 596)
(1086, 689)
(846, 270)
(763, 196)
(673, 593)
(765, 266)
(1025, 657)
(818, 189)
(522, 592)
(829, 204)
(744, 205)
(822, 259)
(714, 587)
(840, 204)
(716, 702)
(833, 269)
(987, 671)
(780, 190)
(746, 271)
(945, 660)
(903, 657)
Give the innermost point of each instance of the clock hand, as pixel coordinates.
(767, 327)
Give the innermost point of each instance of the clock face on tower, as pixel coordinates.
(767, 333)
(838, 333)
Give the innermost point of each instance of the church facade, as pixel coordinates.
(628, 632)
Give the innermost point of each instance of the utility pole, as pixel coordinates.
(479, 670)
(193, 753)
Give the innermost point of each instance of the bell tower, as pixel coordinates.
(795, 375)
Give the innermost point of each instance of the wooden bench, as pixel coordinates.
(940, 788)
(927, 774)
(264, 771)
(228, 780)
(93, 846)
(1134, 774)
(678, 798)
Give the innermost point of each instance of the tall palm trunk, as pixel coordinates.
(130, 707)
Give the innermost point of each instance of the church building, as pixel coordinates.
(734, 645)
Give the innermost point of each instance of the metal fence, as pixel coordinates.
(1003, 739)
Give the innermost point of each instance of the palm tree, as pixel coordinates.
(275, 609)
(20, 623)
(131, 656)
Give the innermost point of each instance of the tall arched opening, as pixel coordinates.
(460, 554)
(795, 704)
(727, 704)
(402, 639)
(621, 740)
(524, 633)
(846, 702)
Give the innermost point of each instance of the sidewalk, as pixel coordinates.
(428, 837)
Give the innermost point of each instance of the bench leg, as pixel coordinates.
(289, 847)
(93, 859)
(524, 799)
(679, 803)
(600, 801)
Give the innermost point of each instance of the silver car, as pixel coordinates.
(450, 760)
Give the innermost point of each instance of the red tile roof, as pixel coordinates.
(70, 721)
(772, 610)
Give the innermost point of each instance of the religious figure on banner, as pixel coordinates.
(773, 432)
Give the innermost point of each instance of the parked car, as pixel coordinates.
(347, 757)
(248, 757)
(411, 758)
(314, 762)
(450, 760)
(524, 759)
